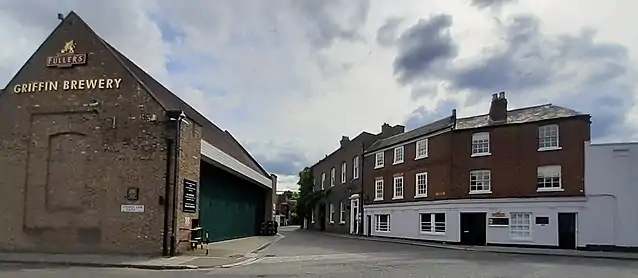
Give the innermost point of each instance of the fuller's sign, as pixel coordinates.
(67, 57)
(66, 85)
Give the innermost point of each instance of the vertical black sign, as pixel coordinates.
(190, 196)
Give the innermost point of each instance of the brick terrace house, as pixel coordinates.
(339, 174)
(507, 177)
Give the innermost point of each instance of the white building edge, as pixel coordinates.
(604, 219)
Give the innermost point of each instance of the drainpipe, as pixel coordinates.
(167, 194)
(178, 127)
(361, 196)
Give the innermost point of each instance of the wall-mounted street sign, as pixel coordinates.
(132, 208)
(190, 196)
(67, 57)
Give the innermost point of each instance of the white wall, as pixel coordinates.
(405, 220)
(611, 185)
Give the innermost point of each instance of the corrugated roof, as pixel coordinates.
(519, 116)
(412, 134)
(210, 132)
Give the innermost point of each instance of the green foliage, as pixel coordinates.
(308, 198)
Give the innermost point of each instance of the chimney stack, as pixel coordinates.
(453, 114)
(498, 108)
(344, 141)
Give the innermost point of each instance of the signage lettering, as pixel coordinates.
(67, 57)
(190, 196)
(66, 85)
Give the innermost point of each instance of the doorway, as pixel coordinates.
(567, 230)
(473, 228)
(354, 216)
(369, 225)
(322, 217)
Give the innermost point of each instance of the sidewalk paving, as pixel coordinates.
(222, 254)
(499, 249)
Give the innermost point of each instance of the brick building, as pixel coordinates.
(88, 144)
(339, 174)
(507, 177)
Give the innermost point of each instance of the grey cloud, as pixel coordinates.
(323, 30)
(579, 73)
(278, 158)
(423, 47)
(387, 33)
(483, 4)
(420, 116)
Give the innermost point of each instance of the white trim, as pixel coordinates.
(211, 152)
(409, 142)
(480, 201)
(354, 196)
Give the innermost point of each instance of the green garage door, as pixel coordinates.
(230, 207)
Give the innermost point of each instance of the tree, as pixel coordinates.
(307, 197)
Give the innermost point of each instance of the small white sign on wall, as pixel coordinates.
(132, 208)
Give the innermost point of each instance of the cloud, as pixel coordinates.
(495, 4)
(387, 33)
(422, 116)
(572, 70)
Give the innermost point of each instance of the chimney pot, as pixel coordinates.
(494, 96)
(501, 95)
(498, 108)
(454, 113)
(344, 141)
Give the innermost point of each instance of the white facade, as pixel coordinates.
(405, 219)
(611, 184)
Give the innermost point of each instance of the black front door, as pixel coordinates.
(473, 228)
(322, 217)
(567, 230)
(369, 223)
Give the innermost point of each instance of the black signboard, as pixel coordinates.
(190, 196)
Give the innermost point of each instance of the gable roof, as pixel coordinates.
(412, 134)
(210, 132)
(521, 115)
(357, 138)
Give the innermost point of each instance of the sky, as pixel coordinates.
(288, 78)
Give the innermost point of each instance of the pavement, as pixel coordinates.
(302, 254)
(222, 254)
(497, 249)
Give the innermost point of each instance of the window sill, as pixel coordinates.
(312, 222)
(522, 239)
(420, 196)
(378, 167)
(549, 149)
(342, 223)
(480, 154)
(331, 222)
(420, 157)
(381, 231)
(376, 200)
(397, 198)
(432, 234)
(550, 190)
(480, 192)
(397, 162)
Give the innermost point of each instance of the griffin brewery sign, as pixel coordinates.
(66, 85)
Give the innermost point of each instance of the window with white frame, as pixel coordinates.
(398, 188)
(323, 181)
(343, 172)
(382, 222)
(521, 225)
(333, 172)
(421, 184)
(480, 144)
(342, 213)
(421, 149)
(312, 216)
(398, 155)
(355, 167)
(378, 189)
(378, 160)
(548, 178)
(548, 137)
(433, 223)
(332, 213)
(480, 181)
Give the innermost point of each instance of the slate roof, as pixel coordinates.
(412, 134)
(221, 139)
(364, 133)
(522, 115)
(516, 116)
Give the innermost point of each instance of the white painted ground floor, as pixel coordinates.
(543, 222)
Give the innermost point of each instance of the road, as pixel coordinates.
(303, 254)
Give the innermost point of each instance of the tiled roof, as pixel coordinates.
(519, 116)
(412, 134)
(210, 132)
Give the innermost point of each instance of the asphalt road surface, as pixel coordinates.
(303, 254)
